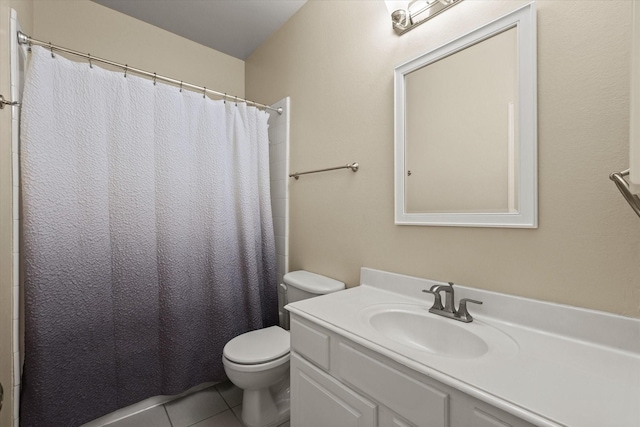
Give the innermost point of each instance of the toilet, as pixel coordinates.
(258, 361)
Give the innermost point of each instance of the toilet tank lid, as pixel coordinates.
(312, 282)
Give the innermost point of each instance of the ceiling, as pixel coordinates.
(235, 27)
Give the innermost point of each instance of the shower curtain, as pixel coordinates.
(148, 238)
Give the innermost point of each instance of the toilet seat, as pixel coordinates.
(259, 347)
(257, 367)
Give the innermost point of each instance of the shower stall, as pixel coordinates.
(277, 165)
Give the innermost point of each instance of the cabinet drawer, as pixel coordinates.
(484, 415)
(418, 403)
(482, 419)
(310, 342)
(317, 400)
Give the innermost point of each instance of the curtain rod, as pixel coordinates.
(26, 39)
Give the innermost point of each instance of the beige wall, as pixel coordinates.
(24, 8)
(336, 58)
(89, 27)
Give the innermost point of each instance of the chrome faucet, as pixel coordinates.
(449, 309)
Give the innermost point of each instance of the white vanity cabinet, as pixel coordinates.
(336, 382)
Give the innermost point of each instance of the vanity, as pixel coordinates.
(373, 355)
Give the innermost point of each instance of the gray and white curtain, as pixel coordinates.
(148, 238)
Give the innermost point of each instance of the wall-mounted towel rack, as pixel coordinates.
(353, 166)
(623, 186)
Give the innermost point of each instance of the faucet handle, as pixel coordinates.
(437, 301)
(463, 313)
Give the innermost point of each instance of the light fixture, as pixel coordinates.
(406, 15)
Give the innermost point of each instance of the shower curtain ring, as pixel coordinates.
(90, 64)
(154, 78)
(204, 93)
(126, 67)
(236, 101)
(51, 49)
(180, 86)
(224, 100)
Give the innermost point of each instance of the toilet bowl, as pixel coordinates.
(258, 361)
(255, 362)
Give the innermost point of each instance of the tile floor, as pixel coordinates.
(216, 406)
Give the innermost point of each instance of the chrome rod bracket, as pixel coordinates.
(23, 38)
(4, 102)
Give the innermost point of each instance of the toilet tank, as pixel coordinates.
(304, 284)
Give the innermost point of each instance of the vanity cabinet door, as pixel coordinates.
(317, 400)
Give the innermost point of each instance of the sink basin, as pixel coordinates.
(412, 326)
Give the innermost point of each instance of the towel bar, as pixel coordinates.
(623, 186)
(353, 166)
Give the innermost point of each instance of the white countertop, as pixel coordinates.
(565, 367)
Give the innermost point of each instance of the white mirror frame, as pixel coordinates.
(527, 215)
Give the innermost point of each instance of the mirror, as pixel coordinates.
(465, 129)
